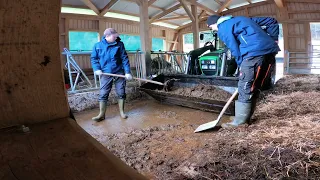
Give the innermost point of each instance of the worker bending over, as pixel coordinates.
(271, 27)
(109, 56)
(252, 48)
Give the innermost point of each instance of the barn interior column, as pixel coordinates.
(145, 37)
(195, 27)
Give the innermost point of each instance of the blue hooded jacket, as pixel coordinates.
(110, 57)
(269, 24)
(245, 38)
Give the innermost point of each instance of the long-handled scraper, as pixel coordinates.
(212, 124)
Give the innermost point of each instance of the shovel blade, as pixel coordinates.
(207, 126)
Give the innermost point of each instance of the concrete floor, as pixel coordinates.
(142, 114)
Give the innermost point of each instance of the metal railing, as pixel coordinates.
(168, 62)
(81, 82)
(303, 62)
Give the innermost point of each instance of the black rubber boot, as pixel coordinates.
(103, 109)
(242, 115)
(121, 109)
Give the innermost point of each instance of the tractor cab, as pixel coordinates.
(217, 62)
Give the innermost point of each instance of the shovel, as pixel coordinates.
(166, 85)
(212, 124)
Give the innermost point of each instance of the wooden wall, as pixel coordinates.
(72, 22)
(295, 19)
(31, 86)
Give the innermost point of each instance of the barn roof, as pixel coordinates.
(170, 13)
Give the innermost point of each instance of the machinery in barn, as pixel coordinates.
(207, 71)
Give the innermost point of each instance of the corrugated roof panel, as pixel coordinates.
(179, 21)
(210, 4)
(164, 3)
(99, 4)
(73, 2)
(235, 4)
(127, 7)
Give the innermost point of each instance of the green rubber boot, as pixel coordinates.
(103, 109)
(121, 109)
(242, 115)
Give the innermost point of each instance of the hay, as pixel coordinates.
(284, 142)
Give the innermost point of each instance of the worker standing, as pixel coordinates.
(252, 49)
(109, 56)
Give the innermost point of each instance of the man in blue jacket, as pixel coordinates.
(252, 47)
(109, 56)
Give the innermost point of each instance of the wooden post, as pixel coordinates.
(286, 46)
(31, 88)
(195, 27)
(66, 31)
(102, 27)
(145, 37)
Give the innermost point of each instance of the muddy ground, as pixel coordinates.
(282, 143)
(202, 91)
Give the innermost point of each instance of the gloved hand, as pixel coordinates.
(98, 72)
(128, 76)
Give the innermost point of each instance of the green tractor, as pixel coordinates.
(217, 62)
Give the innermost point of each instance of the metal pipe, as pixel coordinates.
(223, 64)
(70, 74)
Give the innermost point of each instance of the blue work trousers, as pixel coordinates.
(254, 75)
(106, 85)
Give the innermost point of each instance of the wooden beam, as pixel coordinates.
(176, 36)
(219, 3)
(91, 6)
(224, 5)
(195, 27)
(210, 11)
(168, 11)
(102, 27)
(249, 1)
(151, 2)
(190, 23)
(279, 3)
(186, 8)
(203, 12)
(66, 28)
(108, 7)
(145, 38)
(172, 18)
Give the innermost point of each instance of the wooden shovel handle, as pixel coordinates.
(227, 104)
(139, 79)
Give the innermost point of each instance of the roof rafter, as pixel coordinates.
(279, 3)
(91, 6)
(168, 11)
(219, 3)
(151, 2)
(186, 8)
(203, 12)
(224, 5)
(172, 18)
(210, 11)
(108, 7)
